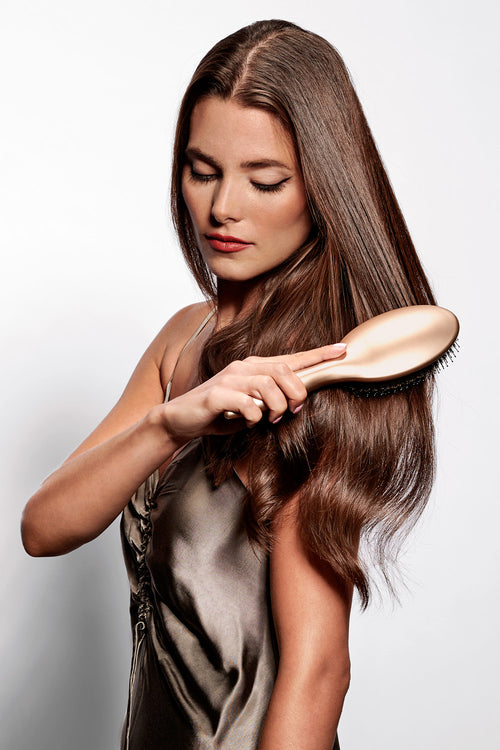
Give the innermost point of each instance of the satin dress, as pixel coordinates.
(204, 649)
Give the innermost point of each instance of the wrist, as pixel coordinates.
(159, 420)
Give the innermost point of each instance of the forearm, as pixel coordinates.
(305, 708)
(79, 500)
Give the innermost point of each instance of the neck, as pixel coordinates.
(235, 299)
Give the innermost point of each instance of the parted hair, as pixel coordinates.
(361, 469)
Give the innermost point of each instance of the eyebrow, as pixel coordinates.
(196, 153)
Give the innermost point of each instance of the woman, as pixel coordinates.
(242, 542)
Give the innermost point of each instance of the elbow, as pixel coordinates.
(30, 536)
(37, 532)
(30, 542)
(325, 674)
(329, 667)
(346, 678)
(41, 539)
(34, 550)
(334, 673)
(36, 545)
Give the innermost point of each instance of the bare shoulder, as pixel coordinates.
(174, 334)
(146, 387)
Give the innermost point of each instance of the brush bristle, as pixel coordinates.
(377, 389)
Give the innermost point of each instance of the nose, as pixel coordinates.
(226, 203)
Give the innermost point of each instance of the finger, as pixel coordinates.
(292, 387)
(266, 379)
(301, 360)
(269, 389)
(286, 372)
(273, 382)
(232, 415)
(246, 407)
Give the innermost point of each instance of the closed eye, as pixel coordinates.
(273, 188)
(199, 177)
(262, 187)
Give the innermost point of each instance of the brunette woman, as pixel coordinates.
(243, 540)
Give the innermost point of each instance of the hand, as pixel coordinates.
(270, 379)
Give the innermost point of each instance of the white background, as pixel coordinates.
(90, 272)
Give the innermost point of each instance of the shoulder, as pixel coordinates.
(146, 388)
(175, 333)
(177, 330)
(158, 361)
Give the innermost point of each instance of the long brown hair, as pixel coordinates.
(362, 468)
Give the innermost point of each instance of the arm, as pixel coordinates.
(79, 500)
(311, 609)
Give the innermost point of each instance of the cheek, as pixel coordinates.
(186, 194)
(193, 206)
(293, 217)
(192, 192)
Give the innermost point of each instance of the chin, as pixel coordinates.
(236, 278)
(234, 274)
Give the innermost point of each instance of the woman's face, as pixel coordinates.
(243, 189)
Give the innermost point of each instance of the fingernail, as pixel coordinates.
(278, 419)
(297, 409)
(339, 346)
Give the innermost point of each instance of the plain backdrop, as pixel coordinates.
(91, 270)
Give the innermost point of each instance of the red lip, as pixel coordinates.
(226, 243)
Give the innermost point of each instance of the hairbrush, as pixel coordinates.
(390, 352)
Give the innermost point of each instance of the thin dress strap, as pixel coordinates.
(193, 336)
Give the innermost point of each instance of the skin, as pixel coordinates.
(78, 501)
(229, 189)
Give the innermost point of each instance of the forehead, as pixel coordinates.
(226, 130)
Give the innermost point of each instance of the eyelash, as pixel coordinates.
(262, 188)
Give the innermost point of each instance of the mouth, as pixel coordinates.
(226, 243)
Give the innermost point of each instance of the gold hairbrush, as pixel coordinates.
(388, 353)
